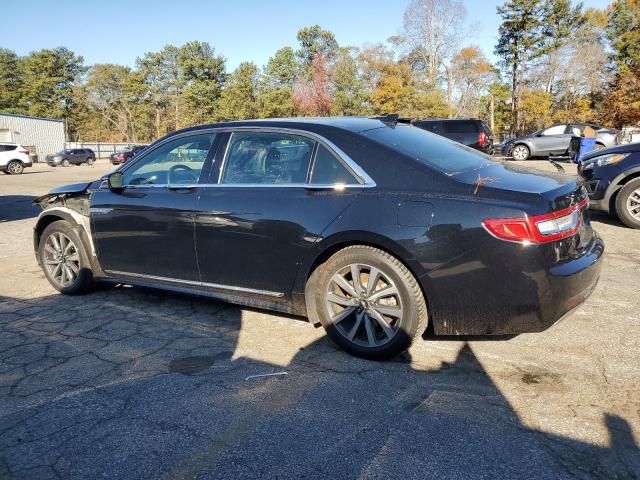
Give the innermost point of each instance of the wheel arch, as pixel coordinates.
(79, 222)
(333, 244)
(616, 185)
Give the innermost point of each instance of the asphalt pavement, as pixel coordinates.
(133, 383)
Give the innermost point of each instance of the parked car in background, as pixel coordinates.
(124, 155)
(555, 140)
(612, 178)
(13, 158)
(467, 131)
(71, 156)
(357, 223)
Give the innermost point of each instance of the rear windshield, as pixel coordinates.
(459, 127)
(429, 149)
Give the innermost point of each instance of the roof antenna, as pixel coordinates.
(389, 119)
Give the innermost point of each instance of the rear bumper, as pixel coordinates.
(499, 296)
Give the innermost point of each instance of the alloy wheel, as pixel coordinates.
(364, 305)
(633, 204)
(520, 152)
(61, 259)
(15, 168)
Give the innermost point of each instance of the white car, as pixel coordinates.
(13, 158)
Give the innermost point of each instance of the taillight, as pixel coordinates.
(539, 229)
(23, 150)
(482, 139)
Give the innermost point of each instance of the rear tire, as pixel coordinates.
(64, 259)
(628, 204)
(520, 152)
(15, 167)
(368, 302)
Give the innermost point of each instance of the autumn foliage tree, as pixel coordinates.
(312, 94)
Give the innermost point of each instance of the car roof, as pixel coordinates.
(352, 124)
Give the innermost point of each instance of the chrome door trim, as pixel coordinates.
(196, 283)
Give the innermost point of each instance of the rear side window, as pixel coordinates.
(486, 129)
(328, 170)
(428, 126)
(7, 148)
(267, 158)
(438, 152)
(459, 127)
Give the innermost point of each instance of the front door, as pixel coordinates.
(266, 209)
(147, 229)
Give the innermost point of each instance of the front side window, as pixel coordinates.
(267, 158)
(178, 162)
(555, 130)
(328, 170)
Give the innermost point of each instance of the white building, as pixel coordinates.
(43, 136)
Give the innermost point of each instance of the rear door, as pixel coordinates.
(146, 231)
(265, 209)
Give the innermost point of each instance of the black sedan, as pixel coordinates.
(612, 177)
(373, 229)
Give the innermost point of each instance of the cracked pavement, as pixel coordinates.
(133, 383)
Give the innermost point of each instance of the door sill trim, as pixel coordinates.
(196, 283)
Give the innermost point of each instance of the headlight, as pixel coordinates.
(604, 160)
(57, 157)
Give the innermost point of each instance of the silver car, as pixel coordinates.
(555, 140)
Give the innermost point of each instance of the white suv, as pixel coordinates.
(13, 158)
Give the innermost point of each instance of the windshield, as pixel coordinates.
(64, 152)
(429, 149)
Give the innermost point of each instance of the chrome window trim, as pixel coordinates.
(358, 172)
(196, 283)
(308, 186)
(351, 165)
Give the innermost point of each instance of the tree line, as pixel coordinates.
(557, 62)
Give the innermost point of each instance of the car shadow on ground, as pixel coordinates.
(133, 383)
(17, 207)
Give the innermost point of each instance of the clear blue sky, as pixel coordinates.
(118, 31)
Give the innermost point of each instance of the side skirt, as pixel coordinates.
(195, 290)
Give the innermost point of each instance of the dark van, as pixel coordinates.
(467, 131)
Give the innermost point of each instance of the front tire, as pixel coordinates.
(628, 204)
(64, 259)
(90, 161)
(65, 163)
(520, 152)
(369, 302)
(15, 167)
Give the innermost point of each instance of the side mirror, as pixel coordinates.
(115, 181)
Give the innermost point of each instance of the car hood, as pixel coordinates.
(66, 190)
(626, 148)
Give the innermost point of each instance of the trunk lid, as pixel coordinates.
(536, 192)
